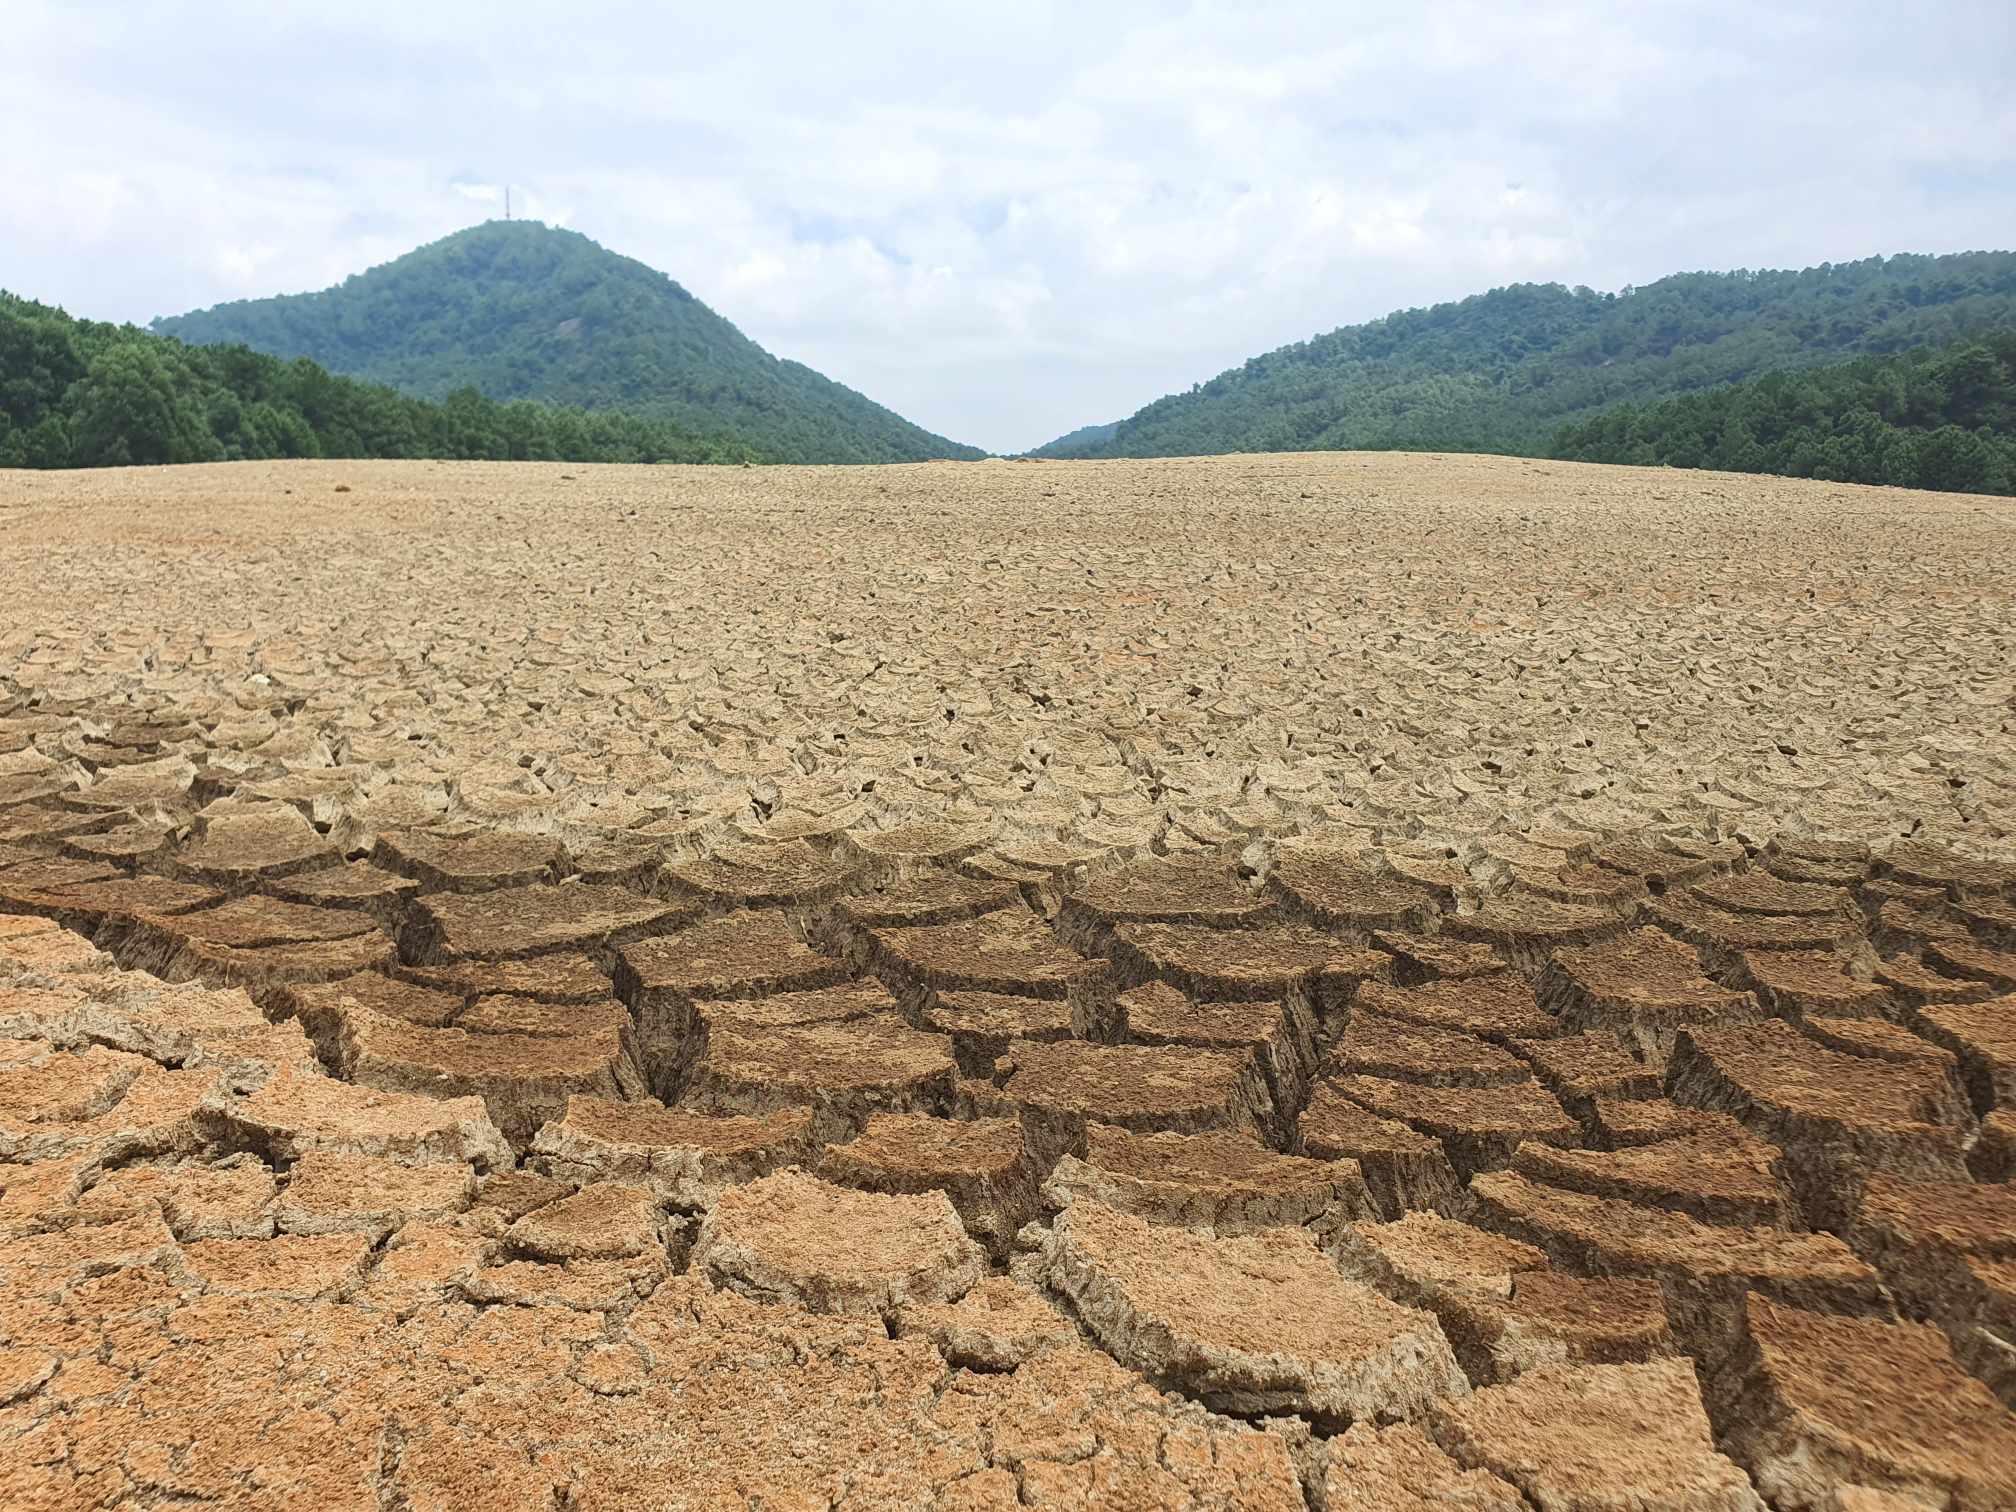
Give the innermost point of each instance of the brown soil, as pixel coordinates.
(791, 1238)
(1815, 1403)
(754, 875)
(1262, 1323)
(983, 1024)
(928, 898)
(1528, 927)
(1006, 951)
(980, 1164)
(355, 884)
(1375, 1045)
(1427, 958)
(1838, 1115)
(563, 977)
(1794, 982)
(1983, 1035)
(1503, 1309)
(1063, 1087)
(1642, 986)
(1598, 1436)
(510, 923)
(1970, 958)
(271, 841)
(1400, 1469)
(1704, 1268)
(1717, 1177)
(1580, 1068)
(468, 863)
(1000, 1325)
(1656, 864)
(1948, 1252)
(1724, 932)
(1761, 892)
(1480, 1127)
(246, 922)
(1155, 890)
(329, 1192)
(689, 1158)
(1618, 1123)
(1267, 962)
(1497, 1005)
(89, 907)
(1343, 891)
(1222, 1183)
(845, 1072)
(1279, 1037)
(323, 1006)
(846, 1003)
(523, 1079)
(1049, 847)
(1402, 1169)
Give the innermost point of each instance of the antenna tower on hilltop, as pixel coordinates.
(507, 202)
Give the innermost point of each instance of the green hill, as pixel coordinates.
(1504, 371)
(81, 393)
(1078, 442)
(1931, 419)
(518, 310)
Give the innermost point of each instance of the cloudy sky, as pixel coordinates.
(1003, 218)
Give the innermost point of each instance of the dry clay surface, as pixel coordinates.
(1266, 982)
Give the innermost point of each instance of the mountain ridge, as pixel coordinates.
(521, 310)
(1502, 371)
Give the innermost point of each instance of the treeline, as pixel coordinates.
(79, 393)
(1504, 371)
(1944, 419)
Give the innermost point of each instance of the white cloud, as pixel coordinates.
(1008, 220)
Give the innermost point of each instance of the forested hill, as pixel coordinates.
(518, 310)
(1080, 441)
(79, 393)
(1504, 371)
(1933, 419)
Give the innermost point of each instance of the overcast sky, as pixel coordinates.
(1004, 220)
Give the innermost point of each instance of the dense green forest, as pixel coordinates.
(1078, 441)
(1929, 419)
(78, 393)
(518, 310)
(1504, 371)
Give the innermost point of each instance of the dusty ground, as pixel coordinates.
(1339, 980)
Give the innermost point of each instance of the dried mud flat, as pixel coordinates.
(1335, 981)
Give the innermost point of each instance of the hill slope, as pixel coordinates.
(1078, 442)
(1502, 371)
(518, 310)
(81, 393)
(1936, 419)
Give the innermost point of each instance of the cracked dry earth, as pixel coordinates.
(1353, 982)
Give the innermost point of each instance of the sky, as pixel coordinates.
(1002, 220)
